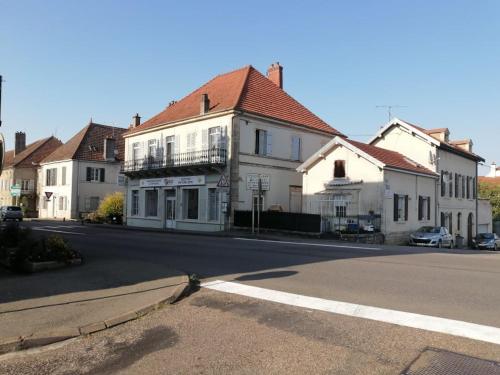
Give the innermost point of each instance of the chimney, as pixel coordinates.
(109, 149)
(275, 74)
(466, 144)
(136, 121)
(20, 142)
(204, 104)
(442, 134)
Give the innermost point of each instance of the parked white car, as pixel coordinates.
(432, 237)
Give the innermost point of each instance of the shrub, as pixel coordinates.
(111, 207)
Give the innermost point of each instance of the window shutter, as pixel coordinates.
(451, 223)
(396, 208)
(269, 143)
(257, 141)
(443, 186)
(451, 184)
(442, 219)
(456, 185)
(428, 208)
(420, 207)
(89, 173)
(102, 177)
(406, 207)
(177, 144)
(204, 139)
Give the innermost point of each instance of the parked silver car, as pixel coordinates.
(11, 213)
(486, 241)
(432, 237)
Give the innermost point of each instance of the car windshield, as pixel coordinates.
(485, 236)
(13, 208)
(429, 230)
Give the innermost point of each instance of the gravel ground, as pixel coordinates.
(215, 333)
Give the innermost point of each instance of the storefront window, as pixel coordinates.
(213, 205)
(135, 203)
(151, 202)
(191, 203)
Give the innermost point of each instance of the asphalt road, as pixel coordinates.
(460, 285)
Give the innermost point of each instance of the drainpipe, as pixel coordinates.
(229, 196)
(477, 204)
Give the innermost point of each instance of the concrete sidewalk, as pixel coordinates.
(51, 306)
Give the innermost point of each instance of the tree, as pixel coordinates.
(491, 191)
(112, 206)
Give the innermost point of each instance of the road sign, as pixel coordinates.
(253, 181)
(48, 194)
(223, 181)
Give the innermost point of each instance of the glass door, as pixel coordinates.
(170, 202)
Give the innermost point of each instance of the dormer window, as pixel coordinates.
(339, 169)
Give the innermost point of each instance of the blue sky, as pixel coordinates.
(67, 61)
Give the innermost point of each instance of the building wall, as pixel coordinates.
(485, 216)
(6, 181)
(72, 199)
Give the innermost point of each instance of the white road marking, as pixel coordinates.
(406, 319)
(311, 244)
(58, 231)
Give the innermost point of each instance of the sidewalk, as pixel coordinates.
(51, 306)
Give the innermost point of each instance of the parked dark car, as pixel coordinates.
(432, 237)
(488, 241)
(11, 213)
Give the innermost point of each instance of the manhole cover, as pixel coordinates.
(440, 362)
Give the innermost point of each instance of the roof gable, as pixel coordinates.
(243, 89)
(380, 157)
(88, 144)
(12, 160)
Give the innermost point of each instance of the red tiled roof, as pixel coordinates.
(490, 180)
(391, 159)
(88, 144)
(12, 160)
(244, 89)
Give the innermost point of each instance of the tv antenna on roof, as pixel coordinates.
(390, 107)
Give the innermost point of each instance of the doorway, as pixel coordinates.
(170, 203)
(470, 223)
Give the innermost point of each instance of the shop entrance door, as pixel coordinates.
(170, 202)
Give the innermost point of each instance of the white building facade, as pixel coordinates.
(193, 165)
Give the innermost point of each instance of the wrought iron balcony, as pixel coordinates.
(177, 163)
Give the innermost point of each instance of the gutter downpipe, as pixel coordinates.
(231, 210)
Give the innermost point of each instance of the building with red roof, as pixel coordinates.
(201, 158)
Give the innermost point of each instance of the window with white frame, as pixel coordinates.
(151, 203)
(152, 146)
(191, 203)
(213, 204)
(95, 174)
(51, 177)
(424, 208)
(400, 207)
(214, 137)
(340, 203)
(136, 151)
(170, 148)
(91, 203)
(263, 142)
(296, 146)
(134, 207)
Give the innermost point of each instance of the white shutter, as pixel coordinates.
(204, 139)
(269, 143)
(177, 144)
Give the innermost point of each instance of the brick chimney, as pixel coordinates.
(204, 104)
(465, 144)
(20, 144)
(441, 134)
(136, 120)
(275, 74)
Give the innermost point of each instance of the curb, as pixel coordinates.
(14, 344)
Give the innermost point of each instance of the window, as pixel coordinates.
(190, 203)
(136, 151)
(63, 176)
(463, 187)
(474, 188)
(51, 177)
(91, 203)
(134, 207)
(213, 204)
(95, 174)
(61, 203)
(263, 142)
(456, 185)
(339, 169)
(468, 187)
(443, 183)
(170, 147)
(424, 208)
(151, 203)
(25, 184)
(152, 149)
(450, 184)
(296, 145)
(340, 204)
(400, 207)
(459, 221)
(214, 137)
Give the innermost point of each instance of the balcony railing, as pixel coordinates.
(211, 157)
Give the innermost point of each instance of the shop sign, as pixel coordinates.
(173, 181)
(253, 181)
